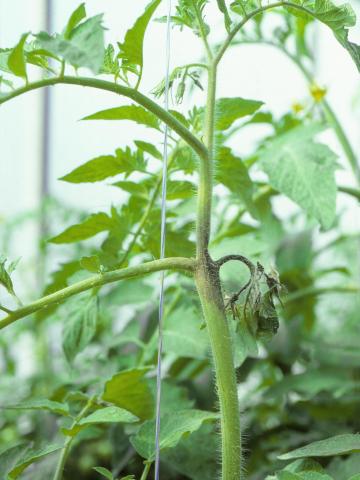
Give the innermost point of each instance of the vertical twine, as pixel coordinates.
(162, 252)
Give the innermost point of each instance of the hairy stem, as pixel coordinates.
(206, 169)
(171, 263)
(210, 294)
(208, 286)
(131, 93)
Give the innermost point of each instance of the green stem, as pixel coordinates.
(210, 294)
(66, 449)
(177, 263)
(208, 286)
(316, 291)
(146, 471)
(206, 169)
(131, 93)
(202, 31)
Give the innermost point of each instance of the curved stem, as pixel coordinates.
(177, 263)
(66, 449)
(239, 258)
(131, 93)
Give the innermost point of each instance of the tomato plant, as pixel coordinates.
(268, 302)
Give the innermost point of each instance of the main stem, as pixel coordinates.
(209, 290)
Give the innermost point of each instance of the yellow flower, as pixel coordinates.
(297, 107)
(317, 92)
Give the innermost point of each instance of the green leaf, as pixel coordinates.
(76, 17)
(174, 426)
(312, 382)
(337, 17)
(104, 472)
(96, 223)
(41, 404)
(31, 456)
(94, 170)
(16, 60)
(179, 189)
(338, 445)
(183, 336)
(9, 458)
(135, 113)
(131, 50)
(195, 456)
(244, 341)
(232, 173)
(303, 170)
(92, 263)
(149, 148)
(109, 415)
(129, 389)
(85, 48)
(80, 326)
(228, 110)
(133, 188)
(355, 477)
(306, 475)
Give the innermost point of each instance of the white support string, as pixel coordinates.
(162, 250)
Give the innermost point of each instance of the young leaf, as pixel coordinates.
(85, 48)
(96, 223)
(104, 472)
(228, 110)
(136, 113)
(338, 445)
(41, 404)
(131, 50)
(303, 170)
(174, 426)
(76, 17)
(129, 389)
(16, 61)
(109, 415)
(80, 327)
(5, 275)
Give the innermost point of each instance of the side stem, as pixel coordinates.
(66, 449)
